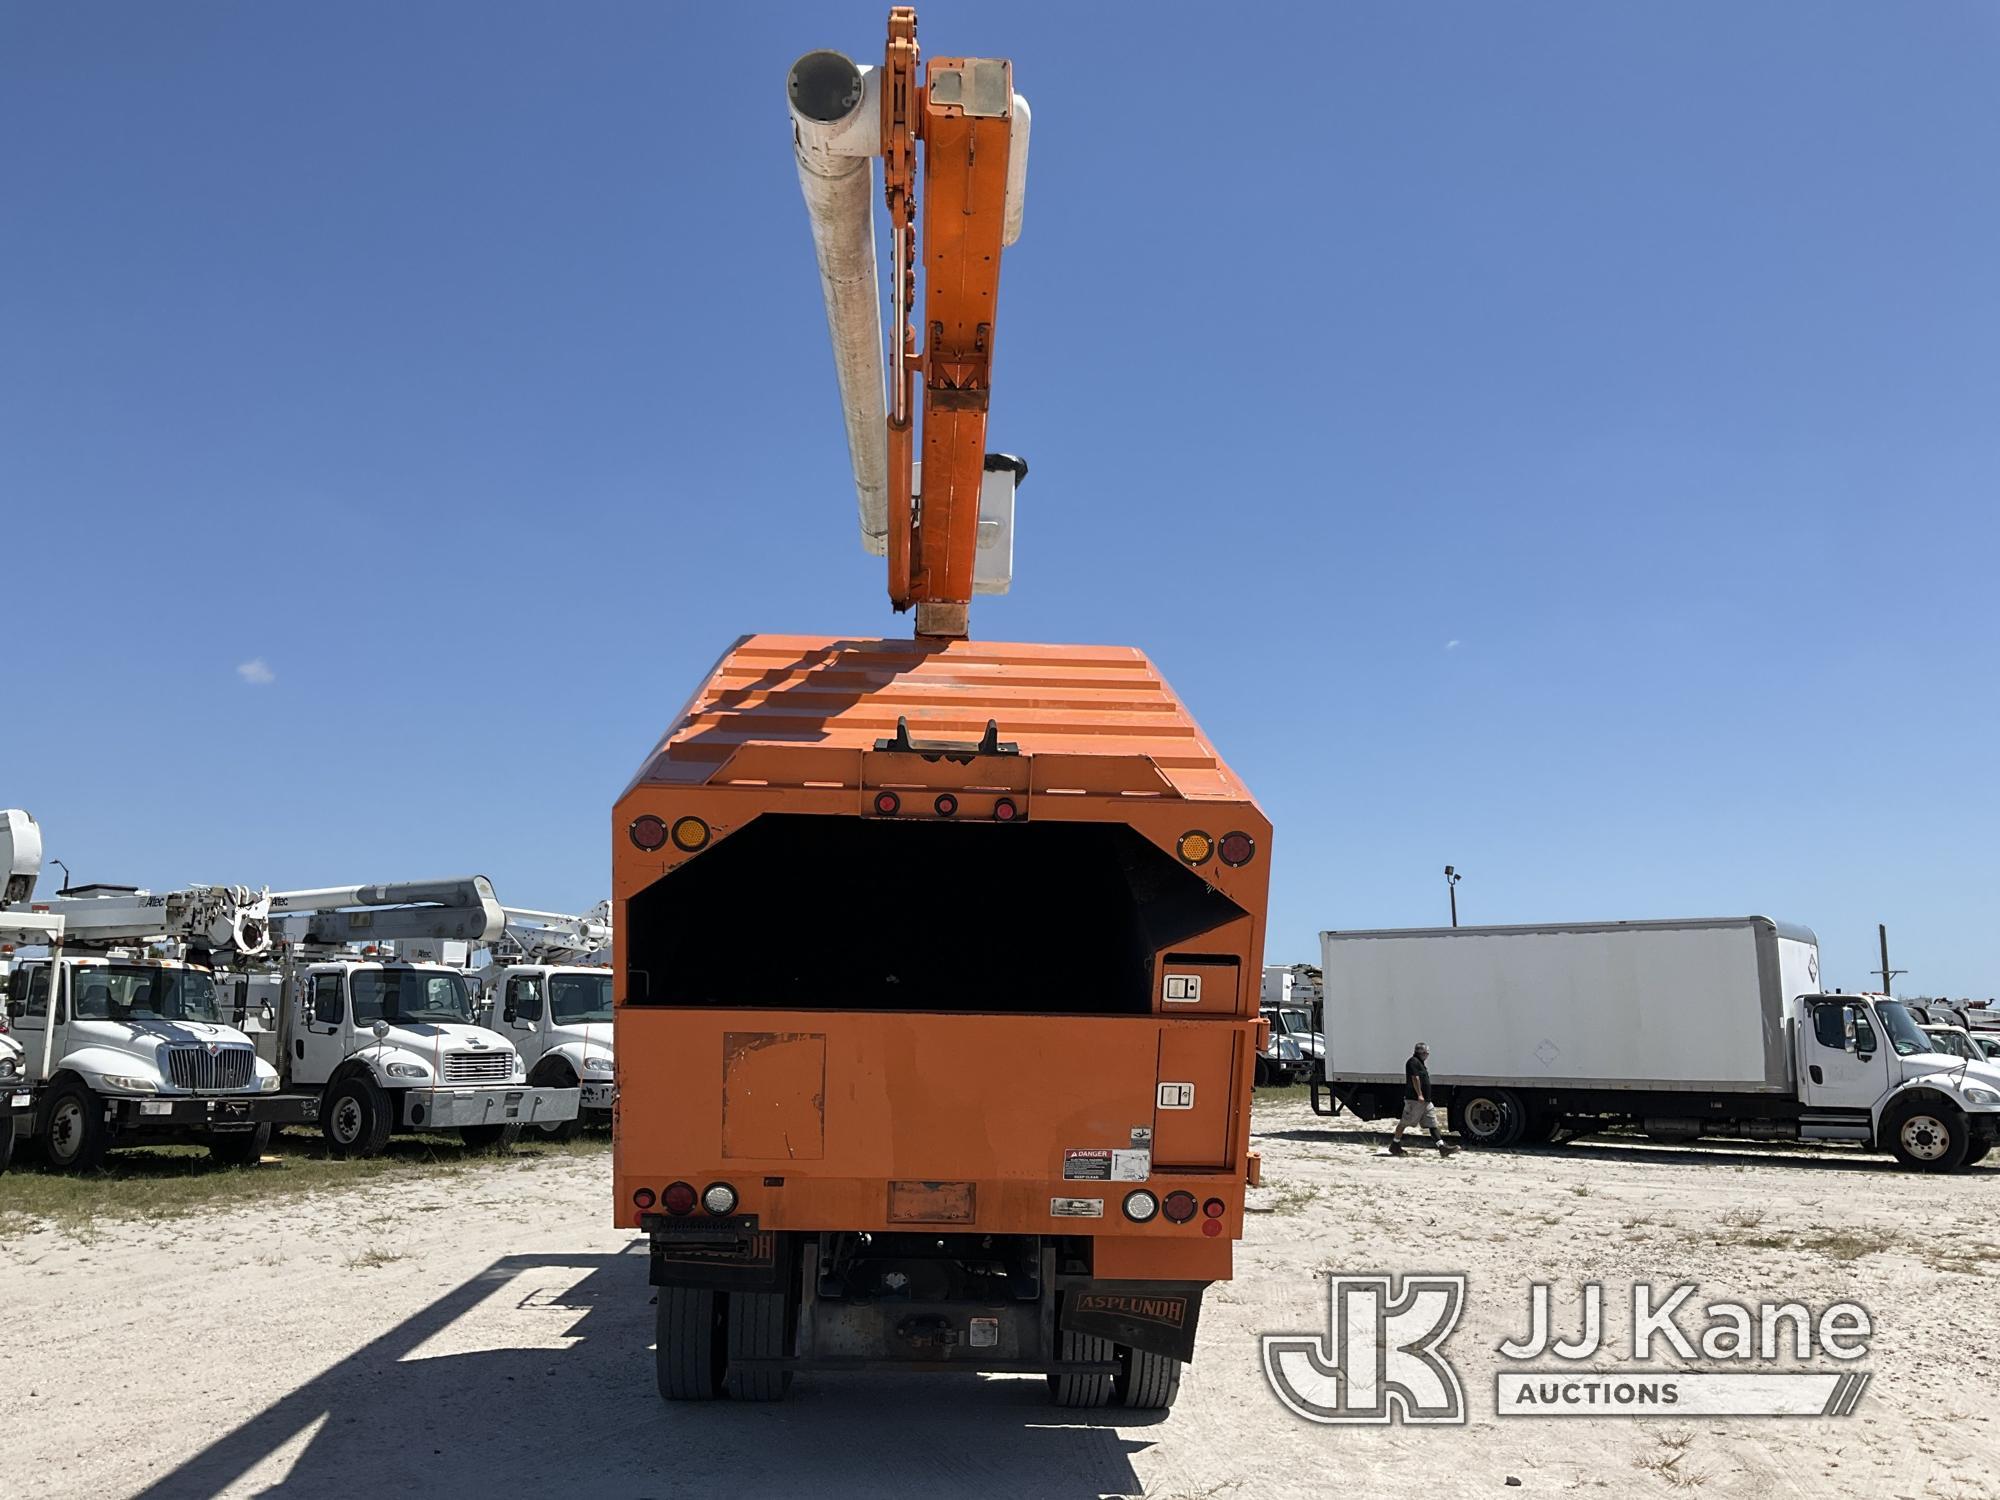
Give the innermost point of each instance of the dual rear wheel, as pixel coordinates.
(702, 1334)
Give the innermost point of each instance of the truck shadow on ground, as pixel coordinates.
(1620, 1148)
(578, 1414)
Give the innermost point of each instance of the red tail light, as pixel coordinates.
(1179, 1206)
(946, 804)
(647, 832)
(678, 1199)
(1214, 1208)
(887, 803)
(1004, 811)
(1237, 849)
(642, 1199)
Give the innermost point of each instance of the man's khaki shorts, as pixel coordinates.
(1416, 1112)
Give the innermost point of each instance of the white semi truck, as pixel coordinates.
(542, 994)
(1709, 1027)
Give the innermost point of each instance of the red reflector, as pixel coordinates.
(642, 1198)
(886, 803)
(1213, 1208)
(1211, 1227)
(678, 1199)
(1237, 849)
(1179, 1206)
(946, 804)
(648, 832)
(1005, 811)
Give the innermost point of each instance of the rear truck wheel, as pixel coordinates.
(490, 1137)
(1146, 1381)
(1928, 1137)
(355, 1117)
(1488, 1117)
(756, 1330)
(1088, 1391)
(76, 1137)
(240, 1148)
(689, 1343)
(1976, 1152)
(556, 1075)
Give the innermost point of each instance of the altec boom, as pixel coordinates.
(935, 962)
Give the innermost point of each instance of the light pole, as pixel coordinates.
(1451, 879)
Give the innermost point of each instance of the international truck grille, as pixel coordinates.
(201, 1069)
(478, 1067)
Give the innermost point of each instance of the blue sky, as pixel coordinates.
(1557, 440)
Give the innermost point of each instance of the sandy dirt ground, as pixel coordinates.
(487, 1335)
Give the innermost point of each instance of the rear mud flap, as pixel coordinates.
(1157, 1316)
(761, 1262)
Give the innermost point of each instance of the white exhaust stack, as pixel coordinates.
(836, 128)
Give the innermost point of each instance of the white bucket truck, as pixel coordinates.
(115, 1043)
(1714, 1027)
(548, 991)
(387, 1045)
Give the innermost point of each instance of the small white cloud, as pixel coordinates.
(1448, 645)
(257, 672)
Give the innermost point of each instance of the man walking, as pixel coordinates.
(1417, 1103)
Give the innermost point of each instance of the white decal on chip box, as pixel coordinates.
(1131, 1166)
(1176, 1096)
(1142, 1135)
(1076, 1208)
(1183, 989)
(985, 1333)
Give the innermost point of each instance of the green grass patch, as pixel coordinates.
(171, 1182)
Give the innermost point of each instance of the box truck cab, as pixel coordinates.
(132, 1051)
(388, 1046)
(558, 1016)
(1686, 1029)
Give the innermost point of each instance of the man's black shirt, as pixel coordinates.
(1414, 1070)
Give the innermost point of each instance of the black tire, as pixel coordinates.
(355, 1117)
(240, 1148)
(756, 1327)
(1928, 1137)
(490, 1137)
(1083, 1391)
(6, 1133)
(1541, 1128)
(1146, 1381)
(690, 1343)
(1976, 1152)
(1262, 1079)
(75, 1136)
(556, 1074)
(1488, 1117)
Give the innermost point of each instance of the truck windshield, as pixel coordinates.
(1905, 1035)
(1944, 1039)
(408, 995)
(576, 998)
(1295, 1023)
(137, 992)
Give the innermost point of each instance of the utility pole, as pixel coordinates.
(1882, 934)
(1451, 878)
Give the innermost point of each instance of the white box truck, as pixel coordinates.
(1702, 1027)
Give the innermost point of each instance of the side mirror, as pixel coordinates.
(1847, 1029)
(381, 1030)
(508, 1015)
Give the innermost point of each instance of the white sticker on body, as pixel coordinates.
(1176, 1096)
(1131, 1166)
(1076, 1208)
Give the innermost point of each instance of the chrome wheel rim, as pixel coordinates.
(1482, 1118)
(347, 1122)
(66, 1129)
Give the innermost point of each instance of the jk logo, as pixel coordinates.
(1378, 1359)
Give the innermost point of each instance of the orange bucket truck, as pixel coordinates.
(936, 961)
